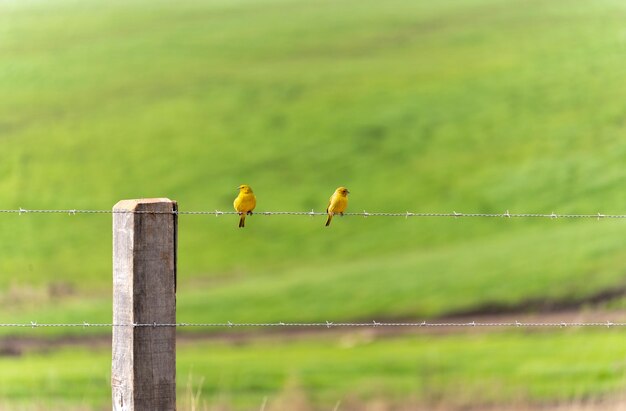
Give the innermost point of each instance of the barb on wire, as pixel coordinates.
(311, 213)
(326, 324)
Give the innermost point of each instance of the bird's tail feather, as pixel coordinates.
(330, 217)
(242, 221)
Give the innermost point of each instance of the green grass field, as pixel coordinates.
(320, 372)
(455, 105)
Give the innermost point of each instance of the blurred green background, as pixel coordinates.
(422, 106)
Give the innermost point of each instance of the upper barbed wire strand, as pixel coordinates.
(311, 213)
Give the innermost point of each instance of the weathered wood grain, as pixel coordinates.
(143, 374)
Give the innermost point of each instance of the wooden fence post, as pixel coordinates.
(143, 372)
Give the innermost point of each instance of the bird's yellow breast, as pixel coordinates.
(338, 203)
(245, 202)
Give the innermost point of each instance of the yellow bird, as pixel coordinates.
(244, 203)
(337, 204)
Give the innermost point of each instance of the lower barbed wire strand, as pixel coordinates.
(327, 324)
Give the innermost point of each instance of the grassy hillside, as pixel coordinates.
(454, 105)
(480, 106)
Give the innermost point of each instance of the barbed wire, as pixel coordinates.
(327, 324)
(313, 213)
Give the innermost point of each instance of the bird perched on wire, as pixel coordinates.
(337, 204)
(244, 203)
